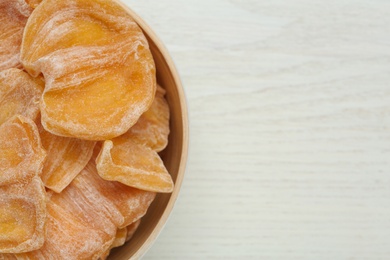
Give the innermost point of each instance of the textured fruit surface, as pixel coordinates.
(84, 218)
(69, 235)
(98, 85)
(21, 152)
(66, 157)
(33, 3)
(132, 158)
(135, 165)
(19, 94)
(13, 18)
(22, 216)
(121, 203)
(120, 239)
(152, 128)
(131, 229)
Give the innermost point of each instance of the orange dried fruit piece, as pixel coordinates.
(22, 216)
(83, 218)
(73, 232)
(132, 158)
(122, 204)
(77, 244)
(19, 94)
(33, 3)
(66, 157)
(100, 205)
(135, 165)
(120, 239)
(97, 85)
(21, 152)
(131, 229)
(13, 18)
(122, 236)
(152, 128)
(8, 257)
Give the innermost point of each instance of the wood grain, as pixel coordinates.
(290, 128)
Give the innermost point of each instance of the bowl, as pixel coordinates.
(174, 155)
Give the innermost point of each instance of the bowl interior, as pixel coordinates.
(174, 156)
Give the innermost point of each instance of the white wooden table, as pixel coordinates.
(290, 128)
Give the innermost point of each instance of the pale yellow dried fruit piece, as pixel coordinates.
(122, 236)
(135, 165)
(121, 203)
(33, 3)
(66, 157)
(131, 229)
(19, 94)
(152, 128)
(8, 257)
(97, 85)
(13, 18)
(84, 218)
(22, 216)
(120, 239)
(21, 152)
(132, 158)
(73, 232)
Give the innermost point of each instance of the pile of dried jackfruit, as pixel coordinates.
(81, 123)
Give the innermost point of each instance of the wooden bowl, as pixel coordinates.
(174, 156)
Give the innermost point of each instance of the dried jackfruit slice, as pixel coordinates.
(100, 205)
(131, 229)
(66, 157)
(19, 94)
(77, 245)
(132, 158)
(72, 232)
(83, 219)
(13, 18)
(122, 236)
(122, 204)
(120, 239)
(8, 257)
(33, 3)
(97, 85)
(21, 151)
(22, 216)
(152, 128)
(135, 165)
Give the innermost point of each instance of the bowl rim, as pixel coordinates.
(184, 110)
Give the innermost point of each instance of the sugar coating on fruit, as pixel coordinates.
(122, 204)
(131, 229)
(152, 128)
(33, 3)
(13, 18)
(19, 94)
(135, 165)
(21, 152)
(84, 218)
(66, 157)
(132, 158)
(98, 85)
(22, 216)
(68, 235)
(120, 239)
